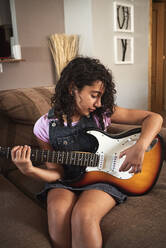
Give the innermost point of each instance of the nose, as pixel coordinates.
(98, 102)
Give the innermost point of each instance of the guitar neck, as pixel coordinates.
(60, 157)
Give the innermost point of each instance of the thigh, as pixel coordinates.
(60, 204)
(95, 203)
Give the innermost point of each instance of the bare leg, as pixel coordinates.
(86, 216)
(60, 203)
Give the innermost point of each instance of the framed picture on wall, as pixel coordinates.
(123, 17)
(124, 50)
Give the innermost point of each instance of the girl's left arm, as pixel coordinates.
(151, 124)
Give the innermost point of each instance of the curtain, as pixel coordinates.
(63, 48)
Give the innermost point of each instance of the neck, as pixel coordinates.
(74, 118)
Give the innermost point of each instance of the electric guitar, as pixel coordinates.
(104, 164)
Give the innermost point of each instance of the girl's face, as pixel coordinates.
(88, 99)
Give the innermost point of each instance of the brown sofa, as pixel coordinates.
(139, 222)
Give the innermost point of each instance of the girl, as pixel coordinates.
(84, 98)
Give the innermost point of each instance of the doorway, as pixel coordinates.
(158, 48)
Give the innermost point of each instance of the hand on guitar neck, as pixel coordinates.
(21, 157)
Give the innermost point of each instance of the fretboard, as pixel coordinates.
(60, 157)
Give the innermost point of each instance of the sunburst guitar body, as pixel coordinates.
(130, 183)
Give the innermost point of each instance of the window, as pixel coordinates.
(6, 32)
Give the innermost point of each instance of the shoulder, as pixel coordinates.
(41, 128)
(42, 121)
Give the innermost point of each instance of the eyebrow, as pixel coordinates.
(96, 91)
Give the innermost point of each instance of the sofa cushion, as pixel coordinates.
(23, 223)
(26, 105)
(27, 185)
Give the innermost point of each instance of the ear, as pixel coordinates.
(72, 89)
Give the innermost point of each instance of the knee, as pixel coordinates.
(82, 216)
(57, 216)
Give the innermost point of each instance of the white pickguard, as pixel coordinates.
(110, 148)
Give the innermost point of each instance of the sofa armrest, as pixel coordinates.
(19, 110)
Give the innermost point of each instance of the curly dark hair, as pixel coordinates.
(82, 71)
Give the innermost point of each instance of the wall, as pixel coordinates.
(36, 20)
(131, 80)
(78, 20)
(5, 17)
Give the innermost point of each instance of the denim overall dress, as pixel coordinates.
(64, 138)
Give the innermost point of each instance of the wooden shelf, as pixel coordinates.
(10, 60)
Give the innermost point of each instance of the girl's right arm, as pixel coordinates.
(21, 158)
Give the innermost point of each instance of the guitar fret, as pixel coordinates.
(67, 157)
(83, 159)
(53, 157)
(48, 153)
(77, 159)
(96, 160)
(8, 152)
(91, 160)
(42, 157)
(45, 155)
(50, 156)
(63, 157)
(86, 159)
(71, 159)
(80, 158)
(38, 155)
(58, 157)
(35, 156)
(32, 155)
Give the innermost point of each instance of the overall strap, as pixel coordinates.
(87, 122)
(51, 114)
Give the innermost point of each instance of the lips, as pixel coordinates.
(91, 110)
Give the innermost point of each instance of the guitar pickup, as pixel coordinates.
(101, 160)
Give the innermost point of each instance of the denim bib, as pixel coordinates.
(64, 138)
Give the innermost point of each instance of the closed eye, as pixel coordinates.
(93, 96)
